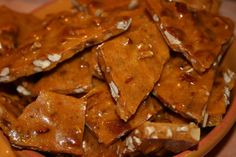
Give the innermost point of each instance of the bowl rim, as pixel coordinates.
(211, 140)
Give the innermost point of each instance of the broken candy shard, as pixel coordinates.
(212, 6)
(101, 116)
(104, 7)
(53, 123)
(73, 76)
(167, 116)
(200, 36)
(59, 38)
(183, 90)
(151, 137)
(219, 98)
(12, 103)
(6, 150)
(132, 63)
(92, 148)
(146, 111)
(14, 27)
(102, 120)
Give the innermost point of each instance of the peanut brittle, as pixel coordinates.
(53, 123)
(148, 108)
(101, 116)
(92, 148)
(167, 116)
(60, 37)
(91, 58)
(99, 8)
(216, 106)
(111, 57)
(102, 119)
(175, 118)
(202, 37)
(207, 5)
(219, 98)
(7, 37)
(71, 77)
(151, 137)
(12, 103)
(183, 90)
(14, 27)
(5, 150)
(162, 152)
(132, 64)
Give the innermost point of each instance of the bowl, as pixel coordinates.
(206, 143)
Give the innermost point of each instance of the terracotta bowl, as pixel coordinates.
(205, 145)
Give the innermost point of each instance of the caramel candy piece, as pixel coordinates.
(151, 137)
(102, 119)
(132, 63)
(60, 37)
(53, 123)
(219, 98)
(200, 36)
(183, 90)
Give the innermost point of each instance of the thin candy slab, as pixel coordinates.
(52, 123)
(60, 37)
(200, 36)
(132, 63)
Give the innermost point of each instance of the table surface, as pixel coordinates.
(226, 148)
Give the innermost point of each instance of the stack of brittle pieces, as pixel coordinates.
(114, 77)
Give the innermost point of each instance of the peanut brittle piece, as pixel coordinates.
(12, 103)
(60, 37)
(133, 60)
(53, 123)
(6, 150)
(102, 119)
(92, 148)
(146, 111)
(14, 27)
(183, 90)
(71, 77)
(101, 116)
(8, 35)
(99, 8)
(151, 137)
(167, 116)
(200, 36)
(91, 58)
(207, 5)
(216, 106)
(134, 9)
(162, 152)
(219, 98)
